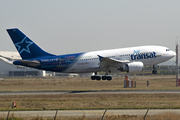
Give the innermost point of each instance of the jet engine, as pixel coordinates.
(132, 67)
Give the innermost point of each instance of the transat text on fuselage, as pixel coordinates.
(138, 56)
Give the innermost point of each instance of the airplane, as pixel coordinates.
(131, 59)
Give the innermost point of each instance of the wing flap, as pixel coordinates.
(106, 62)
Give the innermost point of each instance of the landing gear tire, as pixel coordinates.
(109, 78)
(104, 77)
(154, 71)
(96, 78)
(93, 77)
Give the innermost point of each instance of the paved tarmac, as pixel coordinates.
(89, 113)
(93, 92)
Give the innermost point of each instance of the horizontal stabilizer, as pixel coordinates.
(32, 63)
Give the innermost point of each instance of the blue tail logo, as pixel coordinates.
(23, 45)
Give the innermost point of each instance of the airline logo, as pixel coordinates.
(139, 56)
(24, 45)
(136, 51)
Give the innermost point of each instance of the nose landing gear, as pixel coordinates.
(154, 70)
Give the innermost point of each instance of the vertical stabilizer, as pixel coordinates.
(25, 46)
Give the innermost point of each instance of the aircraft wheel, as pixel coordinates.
(104, 77)
(154, 71)
(109, 78)
(98, 78)
(93, 77)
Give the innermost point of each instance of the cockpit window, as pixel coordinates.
(167, 49)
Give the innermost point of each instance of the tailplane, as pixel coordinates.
(25, 46)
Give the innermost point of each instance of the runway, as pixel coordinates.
(92, 92)
(90, 113)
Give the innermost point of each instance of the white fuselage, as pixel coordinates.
(129, 60)
(148, 55)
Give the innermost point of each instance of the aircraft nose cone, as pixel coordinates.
(173, 53)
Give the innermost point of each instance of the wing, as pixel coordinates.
(106, 62)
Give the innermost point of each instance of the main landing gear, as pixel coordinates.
(103, 78)
(154, 69)
(96, 77)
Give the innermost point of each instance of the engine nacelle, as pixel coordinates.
(132, 67)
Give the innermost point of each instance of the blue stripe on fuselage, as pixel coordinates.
(59, 63)
(56, 63)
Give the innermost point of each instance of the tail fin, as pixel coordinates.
(26, 47)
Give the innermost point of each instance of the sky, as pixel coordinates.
(73, 26)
